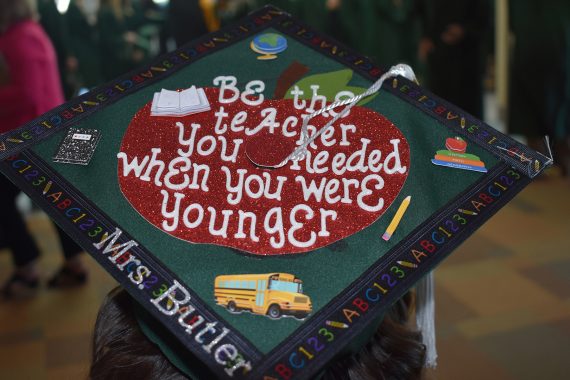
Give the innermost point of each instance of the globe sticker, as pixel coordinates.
(268, 45)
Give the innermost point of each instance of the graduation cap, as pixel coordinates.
(262, 228)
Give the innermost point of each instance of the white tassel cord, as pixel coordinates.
(400, 69)
(425, 317)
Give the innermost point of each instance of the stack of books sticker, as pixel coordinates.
(455, 157)
(179, 103)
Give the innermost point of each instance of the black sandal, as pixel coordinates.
(19, 286)
(67, 278)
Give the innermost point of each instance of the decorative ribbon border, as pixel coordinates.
(309, 348)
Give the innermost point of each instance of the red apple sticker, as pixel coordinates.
(190, 176)
(456, 144)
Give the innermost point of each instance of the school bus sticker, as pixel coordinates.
(272, 294)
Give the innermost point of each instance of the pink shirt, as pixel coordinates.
(34, 86)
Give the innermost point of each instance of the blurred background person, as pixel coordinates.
(54, 25)
(539, 95)
(121, 48)
(316, 13)
(319, 14)
(385, 30)
(29, 86)
(186, 21)
(453, 49)
(231, 10)
(72, 30)
(83, 42)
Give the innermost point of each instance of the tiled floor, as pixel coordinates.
(503, 306)
(49, 336)
(503, 301)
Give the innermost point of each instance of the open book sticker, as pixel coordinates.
(179, 103)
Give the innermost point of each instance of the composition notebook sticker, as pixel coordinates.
(78, 146)
(263, 267)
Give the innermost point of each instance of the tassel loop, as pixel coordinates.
(425, 317)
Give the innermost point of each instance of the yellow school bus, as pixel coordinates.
(272, 294)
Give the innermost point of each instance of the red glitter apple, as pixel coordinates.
(456, 144)
(183, 175)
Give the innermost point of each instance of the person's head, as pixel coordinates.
(13, 11)
(121, 350)
(120, 8)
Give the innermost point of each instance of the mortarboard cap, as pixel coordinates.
(263, 265)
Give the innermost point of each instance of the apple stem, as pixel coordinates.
(288, 77)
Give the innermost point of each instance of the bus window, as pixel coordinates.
(285, 286)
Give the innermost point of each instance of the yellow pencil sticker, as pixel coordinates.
(47, 187)
(338, 325)
(407, 264)
(396, 220)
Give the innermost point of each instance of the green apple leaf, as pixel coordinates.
(329, 84)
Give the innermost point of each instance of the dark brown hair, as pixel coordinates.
(13, 11)
(121, 350)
